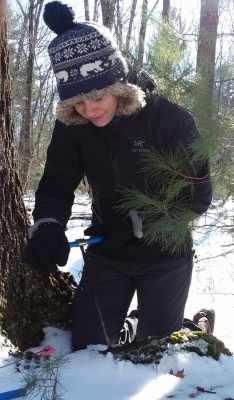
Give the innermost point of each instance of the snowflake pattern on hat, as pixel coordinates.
(85, 58)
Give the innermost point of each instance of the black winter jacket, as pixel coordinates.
(109, 157)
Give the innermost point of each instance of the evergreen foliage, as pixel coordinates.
(163, 210)
(216, 139)
(45, 381)
(169, 61)
(166, 219)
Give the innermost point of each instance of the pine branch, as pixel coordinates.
(44, 381)
(165, 209)
(172, 232)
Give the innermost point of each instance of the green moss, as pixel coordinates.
(176, 337)
(154, 350)
(195, 349)
(37, 337)
(182, 336)
(126, 356)
(1, 314)
(150, 350)
(43, 301)
(215, 346)
(213, 352)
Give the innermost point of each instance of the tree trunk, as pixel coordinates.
(26, 143)
(95, 10)
(207, 41)
(28, 301)
(166, 8)
(86, 8)
(119, 25)
(108, 11)
(144, 19)
(132, 16)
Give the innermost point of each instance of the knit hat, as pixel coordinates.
(87, 64)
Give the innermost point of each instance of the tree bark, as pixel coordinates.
(86, 8)
(28, 301)
(119, 25)
(132, 16)
(142, 33)
(166, 8)
(95, 10)
(108, 12)
(207, 41)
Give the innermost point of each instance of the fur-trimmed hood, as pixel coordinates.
(131, 98)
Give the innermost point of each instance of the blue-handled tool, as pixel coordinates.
(13, 394)
(83, 242)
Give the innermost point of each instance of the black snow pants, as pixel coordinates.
(106, 290)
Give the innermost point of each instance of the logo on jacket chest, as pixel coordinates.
(139, 147)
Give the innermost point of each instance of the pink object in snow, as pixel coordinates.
(46, 351)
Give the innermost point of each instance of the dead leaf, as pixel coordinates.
(170, 397)
(178, 374)
(192, 395)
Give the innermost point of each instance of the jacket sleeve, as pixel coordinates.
(62, 174)
(181, 132)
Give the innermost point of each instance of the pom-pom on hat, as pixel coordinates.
(87, 64)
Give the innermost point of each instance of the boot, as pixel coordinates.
(205, 319)
(128, 333)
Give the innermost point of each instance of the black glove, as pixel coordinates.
(115, 233)
(47, 248)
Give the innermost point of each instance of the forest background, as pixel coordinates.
(187, 47)
(179, 54)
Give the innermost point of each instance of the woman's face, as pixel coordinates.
(99, 112)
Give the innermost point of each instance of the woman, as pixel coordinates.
(107, 118)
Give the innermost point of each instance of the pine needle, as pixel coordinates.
(44, 381)
(165, 209)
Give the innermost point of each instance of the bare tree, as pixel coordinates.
(166, 8)
(18, 58)
(32, 89)
(132, 16)
(145, 16)
(119, 24)
(26, 145)
(207, 41)
(142, 33)
(86, 8)
(95, 10)
(108, 12)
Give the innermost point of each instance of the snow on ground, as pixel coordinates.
(90, 375)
